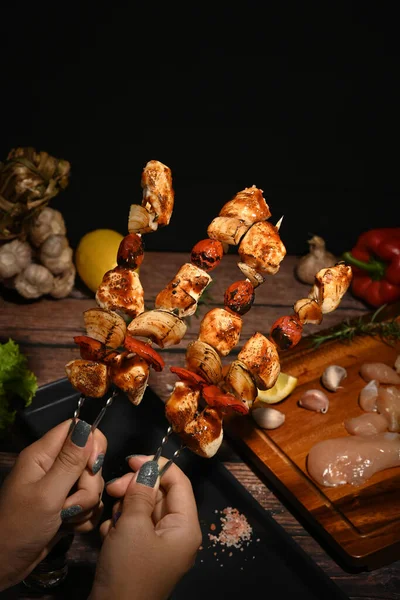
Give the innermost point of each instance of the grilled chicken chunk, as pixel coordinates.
(262, 359)
(158, 193)
(227, 230)
(204, 434)
(160, 326)
(130, 374)
(248, 205)
(157, 201)
(183, 291)
(182, 405)
(221, 330)
(330, 286)
(90, 378)
(121, 291)
(262, 248)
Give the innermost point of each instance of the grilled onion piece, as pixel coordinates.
(106, 326)
(228, 230)
(251, 274)
(221, 330)
(204, 360)
(262, 359)
(121, 290)
(308, 311)
(181, 407)
(162, 327)
(140, 220)
(330, 286)
(240, 382)
(262, 248)
(183, 291)
(88, 377)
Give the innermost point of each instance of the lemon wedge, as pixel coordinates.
(284, 385)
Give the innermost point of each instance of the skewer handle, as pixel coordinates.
(103, 410)
(163, 442)
(78, 407)
(171, 460)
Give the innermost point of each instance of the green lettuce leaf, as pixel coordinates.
(16, 382)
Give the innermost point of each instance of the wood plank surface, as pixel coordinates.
(45, 329)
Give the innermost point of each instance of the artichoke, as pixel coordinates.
(28, 180)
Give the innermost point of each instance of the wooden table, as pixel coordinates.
(45, 329)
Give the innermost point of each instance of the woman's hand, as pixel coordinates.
(153, 538)
(55, 487)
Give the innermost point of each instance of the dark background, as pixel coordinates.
(300, 99)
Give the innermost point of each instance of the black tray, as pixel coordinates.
(271, 563)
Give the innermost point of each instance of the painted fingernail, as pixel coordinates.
(148, 473)
(115, 518)
(111, 481)
(80, 433)
(71, 511)
(98, 463)
(131, 456)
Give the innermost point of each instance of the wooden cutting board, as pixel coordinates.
(361, 525)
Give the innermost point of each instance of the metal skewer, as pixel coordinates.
(160, 449)
(103, 410)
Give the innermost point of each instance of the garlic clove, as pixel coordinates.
(315, 400)
(267, 417)
(332, 377)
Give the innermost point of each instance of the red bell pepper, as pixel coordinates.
(375, 261)
(145, 351)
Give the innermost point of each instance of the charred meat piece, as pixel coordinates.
(158, 193)
(261, 358)
(182, 405)
(248, 205)
(121, 290)
(204, 434)
(130, 374)
(90, 378)
(262, 248)
(221, 330)
(183, 291)
(330, 286)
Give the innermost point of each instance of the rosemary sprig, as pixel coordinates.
(386, 330)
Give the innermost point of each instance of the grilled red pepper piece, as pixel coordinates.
(375, 261)
(188, 377)
(89, 348)
(286, 332)
(145, 351)
(214, 397)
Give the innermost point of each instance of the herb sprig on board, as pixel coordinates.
(386, 330)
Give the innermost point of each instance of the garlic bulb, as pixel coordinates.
(34, 281)
(267, 417)
(317, 258)
(63, 283)
(14, 257)
(315, 400)
(332, 377)
(47, 222)
(56, 254)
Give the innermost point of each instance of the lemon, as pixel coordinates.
(96, 253)
(284, 385)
